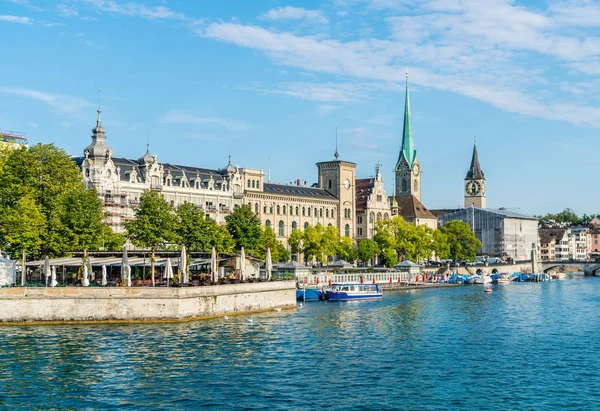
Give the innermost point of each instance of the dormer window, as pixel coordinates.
(87, 172)
(108, 173)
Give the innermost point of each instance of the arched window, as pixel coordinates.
(404, 188)
(303, 211)
(249, 183)
(329, 225)
(283, 210)
(378, 216)
(257, 184)
(87, 172)
(268, 223)
(332, 214)
(349, 213)
(309, 211)
(278, 210)
(321, 212)
(256, 208)
(271, 209)
(305, 226)
(416, 185)
(297, 210)
(281, 230)
(386, 216)
(347, 230)
(264, 209)
(294, 226)
(345, 213)
(372, 218)
(327, 213)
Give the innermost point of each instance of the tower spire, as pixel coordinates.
(408, 146)
(336, 154)
(475, 172)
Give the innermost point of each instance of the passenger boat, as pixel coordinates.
(348, 292)
(503, 279)
(308, 294)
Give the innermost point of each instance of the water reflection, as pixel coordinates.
(431, 349)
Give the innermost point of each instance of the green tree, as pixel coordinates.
(461, 240)
(244, 226)
(154, 225)
(82, 223)
(346, 249)
(22, 229)
(367, 250)
(295, 242)
(112, 241)
(48, 176)
(269, 240)
(385, 238)
(199, 232)
(440, 244)
(320, 242)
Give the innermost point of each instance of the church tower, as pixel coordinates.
(408, 170)
(475, 183)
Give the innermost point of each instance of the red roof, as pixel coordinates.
(364, 188)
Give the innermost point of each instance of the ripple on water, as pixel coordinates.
(525, 346)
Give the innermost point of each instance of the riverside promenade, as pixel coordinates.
(27, 305)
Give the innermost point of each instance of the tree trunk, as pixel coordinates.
(23, 270)
(152, 267)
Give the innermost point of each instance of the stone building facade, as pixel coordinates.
(121, 181)
(284, 207)
(372, 204)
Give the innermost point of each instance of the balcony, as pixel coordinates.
(156, 187)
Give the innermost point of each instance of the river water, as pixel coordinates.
(523, 346)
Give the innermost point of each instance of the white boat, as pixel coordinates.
(503, 279)
(346, 292)
(559, 276)
(484, 279)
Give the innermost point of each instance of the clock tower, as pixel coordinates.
(408, 170)
(475, 183)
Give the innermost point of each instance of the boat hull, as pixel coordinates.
(310, 294)
(342, 296)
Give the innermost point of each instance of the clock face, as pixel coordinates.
(347, 184)
(403, 169)
(473, 188)
(416, 170)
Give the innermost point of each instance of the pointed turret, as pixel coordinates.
(98, 147)
(407, 151)
(475, 172)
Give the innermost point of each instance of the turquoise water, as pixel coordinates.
(524, 346)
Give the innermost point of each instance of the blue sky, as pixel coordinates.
(201, 80)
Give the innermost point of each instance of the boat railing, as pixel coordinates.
(394, 277)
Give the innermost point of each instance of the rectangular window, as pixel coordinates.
(379, 198)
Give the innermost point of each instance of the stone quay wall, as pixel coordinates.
(115, 304)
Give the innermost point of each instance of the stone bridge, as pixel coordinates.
(587, 267)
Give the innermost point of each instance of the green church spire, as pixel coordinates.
(408, 146)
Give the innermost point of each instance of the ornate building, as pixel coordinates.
(121, 181)
(407, 199)
(475, 183)
(372, 204)
(284, 207)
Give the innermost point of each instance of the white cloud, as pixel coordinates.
(319, 92)
(67, 11)
(134, 9)
(324, 109)
(16, 19)
(64, 104)
(181, 117)
(295, 13)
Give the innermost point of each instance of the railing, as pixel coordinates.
(355, 278)
(157, 187)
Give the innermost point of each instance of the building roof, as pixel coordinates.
(475, 172)
(363, 189)
(410, 207)
(499, 211)
(300, 191)
(443, 211)
(547, 234)
(407, 151)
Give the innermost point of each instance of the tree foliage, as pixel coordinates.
(346, 249)
(463, 245)
(367, 250)
(23, 226)
(51, 180)
(245, 228)
(269, 240)
(201, 233)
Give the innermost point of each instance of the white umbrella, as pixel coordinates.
(47, 271)
(86, 281)
(53, 282)
(183, 266)
(213, 265)
(124, 265)
(268, 264)
(128, 276)
(242, 265)
(104, 281)
(168, 270)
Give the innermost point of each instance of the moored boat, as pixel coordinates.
(308, 294)
(348, 292)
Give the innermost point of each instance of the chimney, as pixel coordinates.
(298, 182)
